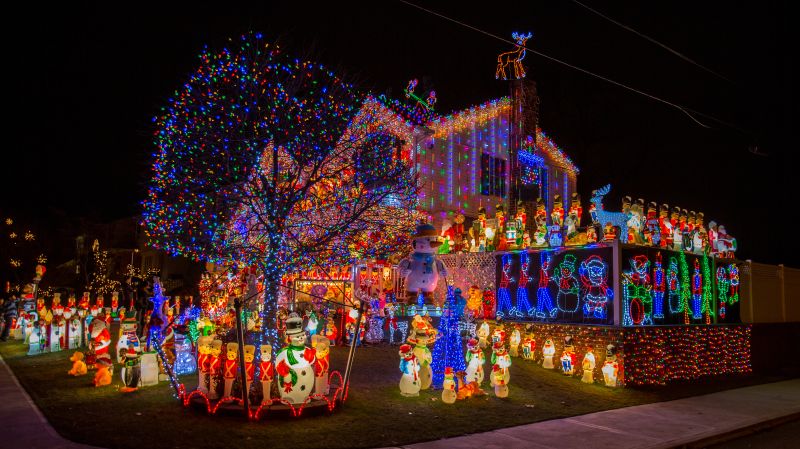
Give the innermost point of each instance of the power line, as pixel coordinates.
(566, 64)
(648, 38)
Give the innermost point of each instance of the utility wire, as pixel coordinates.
(648, 38)
(564, 63)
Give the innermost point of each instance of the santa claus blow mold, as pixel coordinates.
(422, 268)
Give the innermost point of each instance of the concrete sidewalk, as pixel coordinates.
(659, 425)
(22, 425)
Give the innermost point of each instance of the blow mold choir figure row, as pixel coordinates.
(67, 326)
(300, 370)
(654, 225)
(676, 229)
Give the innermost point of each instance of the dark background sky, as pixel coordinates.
(84, 80)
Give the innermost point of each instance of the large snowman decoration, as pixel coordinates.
(422, 268)
(295, 363)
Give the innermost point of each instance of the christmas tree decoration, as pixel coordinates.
(513, 343)
(503, 293)
(596, 293)
(101, 282)
(295, 363)
(230, 368)
(568, 357)
(659, 288)
(214, 368)
(588, 365)
(610, 367)
(616, 219)
(266, 373)
(302, 150)
(548, 352)
(475, 360)
(447, 351)
(483, 335)
(409, 367)
(449, 386)
(568, 287)
(501, 375)
(322, 364)
(78, 365)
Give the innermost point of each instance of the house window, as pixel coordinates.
(493, 176)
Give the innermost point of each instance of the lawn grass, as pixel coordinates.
(374, 415)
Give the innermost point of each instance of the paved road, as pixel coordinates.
(783, 436)
(652, 426)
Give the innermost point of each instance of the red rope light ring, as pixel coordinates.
(197, 393)
(225, 400)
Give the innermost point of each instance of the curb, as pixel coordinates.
(738, 433)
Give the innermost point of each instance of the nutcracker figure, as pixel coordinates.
(203, 362)
(659, 288)
(557, 215)
(265, 373)
(214, 368)
(322, 364)
(697, 292)
(231, 367)
(249, 366)
(84, 303)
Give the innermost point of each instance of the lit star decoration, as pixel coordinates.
(278, 163)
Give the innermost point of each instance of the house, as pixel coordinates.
(478, 157)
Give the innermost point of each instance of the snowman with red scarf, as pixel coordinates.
(295, 363)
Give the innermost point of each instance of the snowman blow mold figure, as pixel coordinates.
(422, 268)
(295, 363)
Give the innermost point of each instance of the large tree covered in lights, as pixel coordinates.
(271, 161)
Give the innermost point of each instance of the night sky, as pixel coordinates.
(84, 81)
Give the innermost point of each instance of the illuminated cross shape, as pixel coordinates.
(513, 58)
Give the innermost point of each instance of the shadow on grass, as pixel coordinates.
(375, 414)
